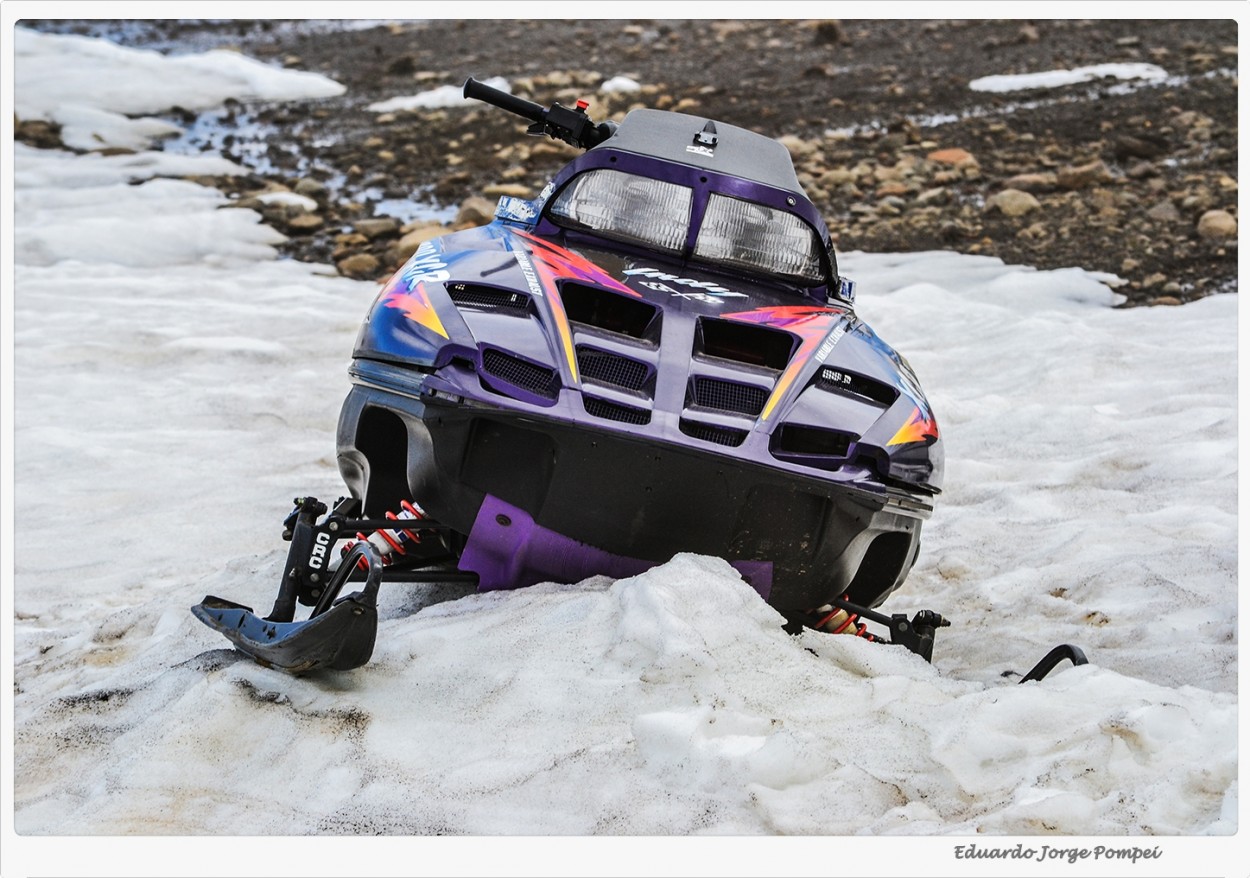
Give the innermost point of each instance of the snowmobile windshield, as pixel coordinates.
(757, 238)
(627, 207)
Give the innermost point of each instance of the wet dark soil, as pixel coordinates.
(1133, 178)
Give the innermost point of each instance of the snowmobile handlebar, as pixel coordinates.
(480, 91)
(572, 126)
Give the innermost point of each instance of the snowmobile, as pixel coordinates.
(656, 355)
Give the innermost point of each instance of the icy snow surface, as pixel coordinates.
(176, 385)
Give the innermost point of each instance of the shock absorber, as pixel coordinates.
(391, 543)
(836, 620)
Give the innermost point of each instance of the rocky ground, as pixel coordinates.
(1139, 181)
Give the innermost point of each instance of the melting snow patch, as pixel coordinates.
(444, 96)
(91, 86)
(618, 84)
(1058, 78)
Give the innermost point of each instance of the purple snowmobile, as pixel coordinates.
(656, 355)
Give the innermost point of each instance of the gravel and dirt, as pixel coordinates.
(1134, 179)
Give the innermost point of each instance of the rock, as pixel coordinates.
(310, 188)
(1154, 280)
(1012, 202)
(516, 190)
(359, 265)
(405, 65)
(1035, 232)
(1140, 146)
(399, 253)
(377, 227)
(829, 33)
(38, 133)
(936, 195)
(1217, 225)
(798, 147)
(474, 211)
(1164, 212)
(1129, 265)
(1165, 300)
(1040, 182)
(1082, 176)
(305, 222)
(956, 157)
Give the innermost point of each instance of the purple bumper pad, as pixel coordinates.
(506, 549)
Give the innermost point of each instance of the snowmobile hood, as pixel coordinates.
(566, 327)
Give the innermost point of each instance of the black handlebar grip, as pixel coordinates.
(480, 91)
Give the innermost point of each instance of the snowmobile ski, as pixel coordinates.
(339, 635)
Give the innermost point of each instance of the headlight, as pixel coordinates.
(628, 208)
(758, 238)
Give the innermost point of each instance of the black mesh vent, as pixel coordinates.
(729, 396)
(488, 298)
(609, 368)
(720, 435)
(612, 411)
(850, 384)
(538, 380)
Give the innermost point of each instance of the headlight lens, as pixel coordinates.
(758, 238)
(628, 208)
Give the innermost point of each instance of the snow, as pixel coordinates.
(175, 385)
(1059, 78)
(620, 84)
(444, 96)
(91, 86)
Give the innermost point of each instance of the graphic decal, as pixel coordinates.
(416, 306)
(818, 328)
(551, 263)
(566, 264)
(920, 427)
(705, 291)
(406, 290)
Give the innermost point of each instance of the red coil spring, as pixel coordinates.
(390, 543)
(842, 622)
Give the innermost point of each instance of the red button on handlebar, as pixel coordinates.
(581, 105)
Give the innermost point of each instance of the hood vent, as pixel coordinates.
(812, 446)
(747, 343)
(611, 312)
(856, 386)
(483, 298)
